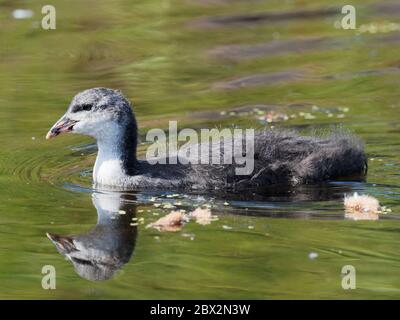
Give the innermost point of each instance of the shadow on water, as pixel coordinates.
(239, 52)
(99, 253)
(265, 17)
(384, 9)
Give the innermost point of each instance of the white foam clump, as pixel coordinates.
(172, 222)
(361, 207)
(175, 220)
(202, 216)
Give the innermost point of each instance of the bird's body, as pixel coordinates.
(280, 157)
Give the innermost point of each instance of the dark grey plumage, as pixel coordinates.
(280, 157)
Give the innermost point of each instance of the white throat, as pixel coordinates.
(108, 169)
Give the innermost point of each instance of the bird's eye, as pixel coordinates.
(83, 107)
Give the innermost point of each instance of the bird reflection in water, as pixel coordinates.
(97, 254)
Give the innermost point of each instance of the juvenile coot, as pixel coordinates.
(280, 157)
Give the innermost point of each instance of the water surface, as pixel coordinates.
(209, 63)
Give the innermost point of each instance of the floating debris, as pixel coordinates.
(381, 27)
(385, 210)
(309, 116)
(225, 227)
(226, 203)
(175, 195)
(22, 14)
(168, 206)
(133, 224)
(273, 116)
(361, 207)
(202, 216)
(121, 212)
(250, 227)
(191, 236)
(313, 255)
(175, 219)
(172, 222)
(214, 218)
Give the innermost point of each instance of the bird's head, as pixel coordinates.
(97, 112)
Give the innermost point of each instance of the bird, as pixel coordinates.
(281, 157)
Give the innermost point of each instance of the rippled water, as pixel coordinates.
(208, 63)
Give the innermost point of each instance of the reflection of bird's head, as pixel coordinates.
(99, 253)
(89, 262)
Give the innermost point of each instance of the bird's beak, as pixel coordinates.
(63, 125)
(63, 242)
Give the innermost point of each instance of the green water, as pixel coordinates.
(176, 63)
